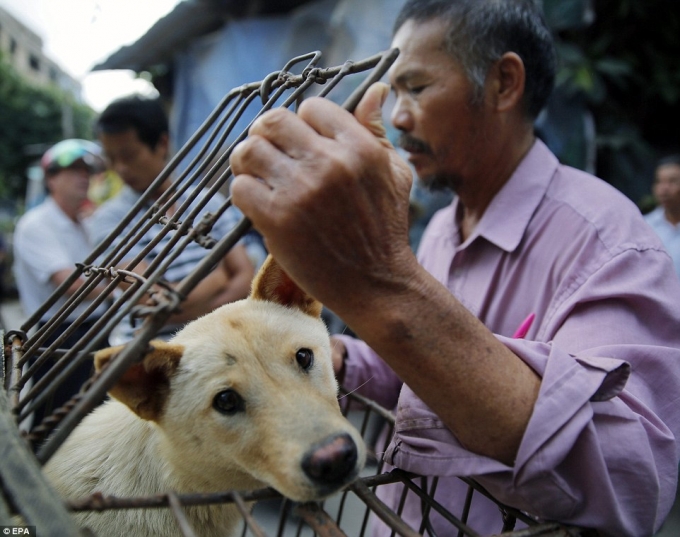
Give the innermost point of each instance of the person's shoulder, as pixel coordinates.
(116, 207)
(586, 192)
(38, 230)
(601, 207)
(655, 216)
(35, 217)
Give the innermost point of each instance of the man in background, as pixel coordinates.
(665, 219)
(134, 135)
(48, 242)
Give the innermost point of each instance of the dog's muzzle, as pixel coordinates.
(331, 462)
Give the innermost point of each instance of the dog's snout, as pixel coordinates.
(332, 460)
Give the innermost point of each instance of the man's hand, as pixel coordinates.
(330, 195)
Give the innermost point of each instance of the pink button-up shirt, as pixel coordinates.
(600, 449)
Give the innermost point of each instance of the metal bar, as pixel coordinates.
(14, 367)
(381, 510)
(91, 341)
(178, 513)
(372, 405)
(438, 507)
(99, 502)
(317, 519)
(515, 512)
(466, 508)
(23, 487)
(248, 519)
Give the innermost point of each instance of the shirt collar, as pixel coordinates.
(507, 217)
(59, 217)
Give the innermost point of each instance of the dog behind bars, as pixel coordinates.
(241, 398)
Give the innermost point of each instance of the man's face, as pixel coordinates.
(442, 130)
(136, 163)
(71, 183)
(667, 187)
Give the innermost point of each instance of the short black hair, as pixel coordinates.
(145, 115)
(479, 32)
(669, 159)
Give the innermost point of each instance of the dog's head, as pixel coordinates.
(249, 390)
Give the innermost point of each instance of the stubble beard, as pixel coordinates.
(434, 182)
(440, 182)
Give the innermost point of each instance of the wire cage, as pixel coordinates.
(201, 169)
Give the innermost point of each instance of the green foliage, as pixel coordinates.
(30, 121)
(620, 57)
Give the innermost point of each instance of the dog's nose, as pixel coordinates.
(331, 460)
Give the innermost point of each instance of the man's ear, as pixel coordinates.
(508, 83)
(163, 146)
(271, 283)
(145, 386)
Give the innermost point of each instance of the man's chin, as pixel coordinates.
(437, 182)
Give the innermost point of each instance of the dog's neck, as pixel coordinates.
(132, 463)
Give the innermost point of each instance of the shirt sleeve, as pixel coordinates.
(600, 447)
(227, 221)
(106, 218)
(368, 374)
(101, 223)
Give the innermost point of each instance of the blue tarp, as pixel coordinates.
(247, 50)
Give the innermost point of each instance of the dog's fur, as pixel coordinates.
(230, 403)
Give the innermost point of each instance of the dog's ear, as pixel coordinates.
(144, 387)
(273, 284)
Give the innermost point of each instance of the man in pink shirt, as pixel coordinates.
(577, 420)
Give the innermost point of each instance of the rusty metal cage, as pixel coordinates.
(206, 171)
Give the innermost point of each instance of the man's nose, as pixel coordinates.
(402, 115)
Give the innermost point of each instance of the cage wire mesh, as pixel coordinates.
(203, 161)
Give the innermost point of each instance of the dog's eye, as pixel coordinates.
(228, 402)
(305, 358)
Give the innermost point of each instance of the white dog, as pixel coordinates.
(241, 398)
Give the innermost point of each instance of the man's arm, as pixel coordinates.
(360, 370)
(230, 281)
(297, 178)
(40, 248)
(60, 276)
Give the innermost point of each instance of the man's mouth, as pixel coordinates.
(413, 145)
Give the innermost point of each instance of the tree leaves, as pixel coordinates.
(30, 122)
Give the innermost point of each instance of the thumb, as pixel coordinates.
(369, 111)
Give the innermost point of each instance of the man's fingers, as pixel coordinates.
(293, 133)
(286, 131)
(251, 195)
(259, 157)
(369, 111)
(286, 151)
(332, 121)
(327, 118)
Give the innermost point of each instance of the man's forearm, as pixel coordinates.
(201, 300)
(480, 390)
